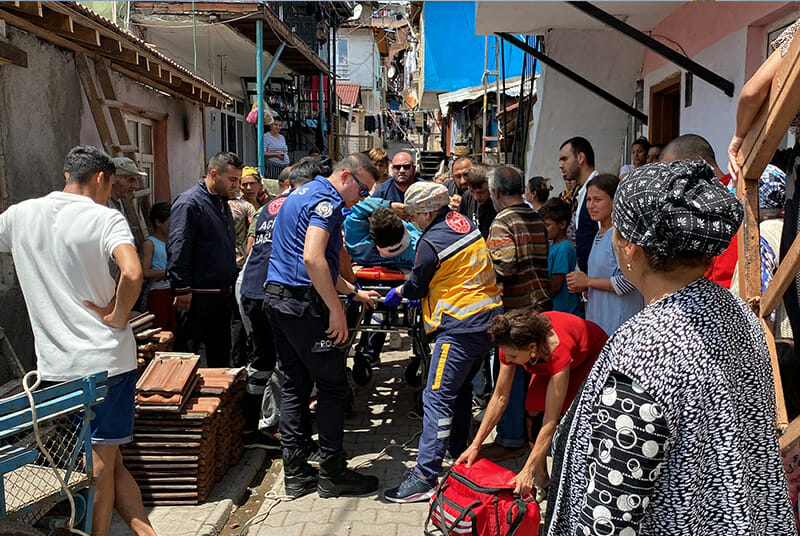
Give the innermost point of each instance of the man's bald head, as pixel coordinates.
(403, 169)
(690, 147)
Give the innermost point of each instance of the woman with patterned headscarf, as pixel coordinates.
(674, 430)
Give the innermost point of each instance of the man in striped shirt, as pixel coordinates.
(518, 245)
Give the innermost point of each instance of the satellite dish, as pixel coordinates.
(356, 12)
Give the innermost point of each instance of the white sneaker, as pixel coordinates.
(395, 343)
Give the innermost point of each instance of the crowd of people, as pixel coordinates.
(598, 323)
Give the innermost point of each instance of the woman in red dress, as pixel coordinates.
(558, 349)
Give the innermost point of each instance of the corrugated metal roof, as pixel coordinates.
(348, 93)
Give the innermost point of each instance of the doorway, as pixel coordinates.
(665, 110)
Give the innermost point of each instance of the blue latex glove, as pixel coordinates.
(392, 298)
(414, 304)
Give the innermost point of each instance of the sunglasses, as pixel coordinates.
(398, 167)
(364, 190)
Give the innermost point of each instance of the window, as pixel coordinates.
(140, 131)
(343, 58)
(232, 122)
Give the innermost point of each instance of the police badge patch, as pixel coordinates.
(324, 209)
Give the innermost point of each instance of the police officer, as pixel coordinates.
(454, 277)
(263, 381)
(309, 323)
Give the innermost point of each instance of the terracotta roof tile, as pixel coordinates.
(348, 93)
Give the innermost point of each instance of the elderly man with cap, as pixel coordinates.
(673, 431)
(124, 182)
(454, 277)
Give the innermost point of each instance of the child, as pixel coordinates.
(154, 264)
(561, 257)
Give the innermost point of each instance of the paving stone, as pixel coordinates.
(360, 528)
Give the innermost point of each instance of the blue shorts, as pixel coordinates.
(113, 418)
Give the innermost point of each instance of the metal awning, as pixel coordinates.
(241, 17)
(470, 94)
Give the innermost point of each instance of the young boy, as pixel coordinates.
(561, 257)
(154, 264)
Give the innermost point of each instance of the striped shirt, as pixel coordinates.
(518, 244)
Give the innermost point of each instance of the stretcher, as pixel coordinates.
(399, 319)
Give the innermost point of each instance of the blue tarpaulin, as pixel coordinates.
(453, 53)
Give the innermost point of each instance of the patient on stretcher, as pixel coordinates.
(376, 236)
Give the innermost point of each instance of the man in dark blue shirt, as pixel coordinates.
(404, 174)
(201, 260)
(262, 405)
(309, 324)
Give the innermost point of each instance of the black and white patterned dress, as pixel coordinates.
(673, 432)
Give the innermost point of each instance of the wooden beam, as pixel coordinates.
(32, 8)
(9, 54)
(790, 437)
(64, 25)
(46, 35)
(108, 92)
(749, 243)
(780, 402)
(95, 106)
(144, 79)
(775, 116)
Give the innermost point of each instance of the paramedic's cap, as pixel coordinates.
(396, 249)
(250, 171)
(423, 196)
(676, 209)
(126, 166)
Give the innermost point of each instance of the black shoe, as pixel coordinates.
(299, 478)
(336, 480)
(313, 455)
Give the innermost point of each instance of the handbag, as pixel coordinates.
(478, 501)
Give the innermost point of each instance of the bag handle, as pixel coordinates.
(513, 525)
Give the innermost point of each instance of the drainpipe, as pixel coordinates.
(260, 97)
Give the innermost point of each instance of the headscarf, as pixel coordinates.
(676, 209)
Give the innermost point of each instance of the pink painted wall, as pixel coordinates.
(698, 25)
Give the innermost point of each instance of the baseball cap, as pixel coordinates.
(424, 196)
(126, 166)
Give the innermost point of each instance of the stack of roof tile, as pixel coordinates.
(167, 382)
(149, 340)
(228, 385)
(176, 457)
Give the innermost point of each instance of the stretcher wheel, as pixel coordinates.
(362, 371)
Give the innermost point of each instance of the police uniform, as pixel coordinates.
(263, 384)
(454, 277)
(299, 320)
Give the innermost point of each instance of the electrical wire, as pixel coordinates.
(35, 422)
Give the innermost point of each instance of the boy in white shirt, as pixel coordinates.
(61, 244)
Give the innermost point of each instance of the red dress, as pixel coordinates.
(579, 344)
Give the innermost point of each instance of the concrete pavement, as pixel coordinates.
(383, 419)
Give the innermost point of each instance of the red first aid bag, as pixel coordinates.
(477, 501)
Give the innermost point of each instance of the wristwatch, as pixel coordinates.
(352, 294)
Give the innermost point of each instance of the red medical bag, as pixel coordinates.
(477, 501)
